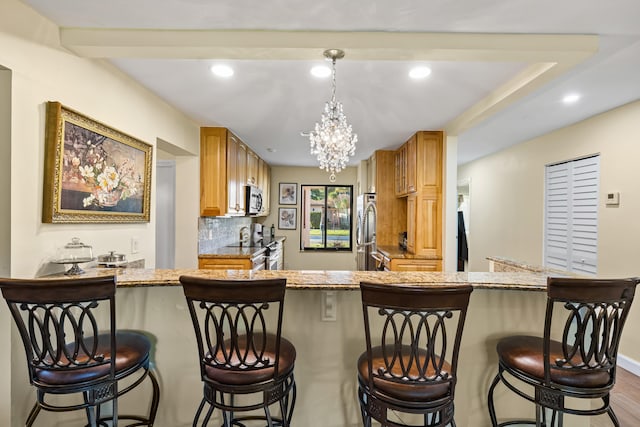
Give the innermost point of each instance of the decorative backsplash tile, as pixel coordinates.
(214, 233)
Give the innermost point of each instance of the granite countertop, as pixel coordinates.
(397, 252)
(327, 279)
(237, 251)
(523, 266)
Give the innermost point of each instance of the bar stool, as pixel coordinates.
(409, 365)
(245, 363)
(576, 357)
(68, 328)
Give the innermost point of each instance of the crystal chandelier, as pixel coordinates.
(333, 140)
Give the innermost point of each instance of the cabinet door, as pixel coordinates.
(213, 171)
(401, 171)
(415, 265)
(241, 177)
(411, 165)
(428, 222)
(232, 174)
(266, 189)
(412, 207)
(252, 168)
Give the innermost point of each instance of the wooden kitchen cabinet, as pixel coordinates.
(392, 211)
(224, 263)
(392, 259)
(406, 168)
(397, 264)
(412, 210)
(252, 168)
(264, 182)
(401, 171)
(422, 191)
(236, 174)
(227, 165)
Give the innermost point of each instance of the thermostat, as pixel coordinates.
(613, 199)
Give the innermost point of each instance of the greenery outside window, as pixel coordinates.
(326, 217)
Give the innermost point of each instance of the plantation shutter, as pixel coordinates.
(571, 215)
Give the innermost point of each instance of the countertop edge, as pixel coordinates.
(327, 280)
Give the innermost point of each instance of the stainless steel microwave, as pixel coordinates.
(253, 200)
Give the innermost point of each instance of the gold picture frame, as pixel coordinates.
(92, 172)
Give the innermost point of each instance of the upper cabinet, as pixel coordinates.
(227, 165)
(419, 181)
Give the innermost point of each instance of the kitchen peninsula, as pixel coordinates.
(152, 301)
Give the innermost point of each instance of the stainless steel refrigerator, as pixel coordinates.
(366, 230)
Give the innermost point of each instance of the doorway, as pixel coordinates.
(165, 214)
(464, 219)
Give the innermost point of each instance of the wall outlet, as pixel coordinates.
(135, 245)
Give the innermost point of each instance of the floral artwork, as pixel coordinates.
(100, 167)
(98, 174)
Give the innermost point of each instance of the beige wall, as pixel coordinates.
(5, 238)
(294, 259)
(41, 70)
(507, 191)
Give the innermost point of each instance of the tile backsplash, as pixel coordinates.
(214, 232)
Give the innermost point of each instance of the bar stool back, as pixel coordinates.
(575, 358)
(68, 328)
(245, 363)
(411, 360)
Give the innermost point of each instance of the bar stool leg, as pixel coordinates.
(492, 409)
(33, 414)
(155, 401)
(198, 412)
(613, 417)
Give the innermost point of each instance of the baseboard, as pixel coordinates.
(629, 364)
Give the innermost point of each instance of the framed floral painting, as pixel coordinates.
(93, 173)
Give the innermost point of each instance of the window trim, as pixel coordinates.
(304, 218)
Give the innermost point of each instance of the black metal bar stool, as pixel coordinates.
(575, 358)
(410, 363)
(245, 363)
(68, 328)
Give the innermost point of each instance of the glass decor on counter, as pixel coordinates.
(74, 253)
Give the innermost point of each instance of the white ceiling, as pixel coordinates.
(497, 77)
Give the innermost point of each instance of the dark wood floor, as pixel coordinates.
(625, 399)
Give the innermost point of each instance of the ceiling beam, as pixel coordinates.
(546, 56)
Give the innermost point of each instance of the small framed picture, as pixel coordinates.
(288, 193)
(287, 218)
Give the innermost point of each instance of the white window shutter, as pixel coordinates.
(571, 215)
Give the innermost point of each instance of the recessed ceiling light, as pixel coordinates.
(321, 71)
(419, 72)
(222, 70)
(571, 98)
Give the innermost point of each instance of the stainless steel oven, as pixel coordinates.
(274, 252)
(258, 262)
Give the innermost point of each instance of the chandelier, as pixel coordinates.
(333, 140)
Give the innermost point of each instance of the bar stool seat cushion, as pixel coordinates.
(525, 354)
(253, 375)
(409, 392)
(132, 350)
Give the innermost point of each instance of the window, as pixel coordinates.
(326, 217)
(571, 215)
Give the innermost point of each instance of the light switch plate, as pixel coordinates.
(135, 245)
